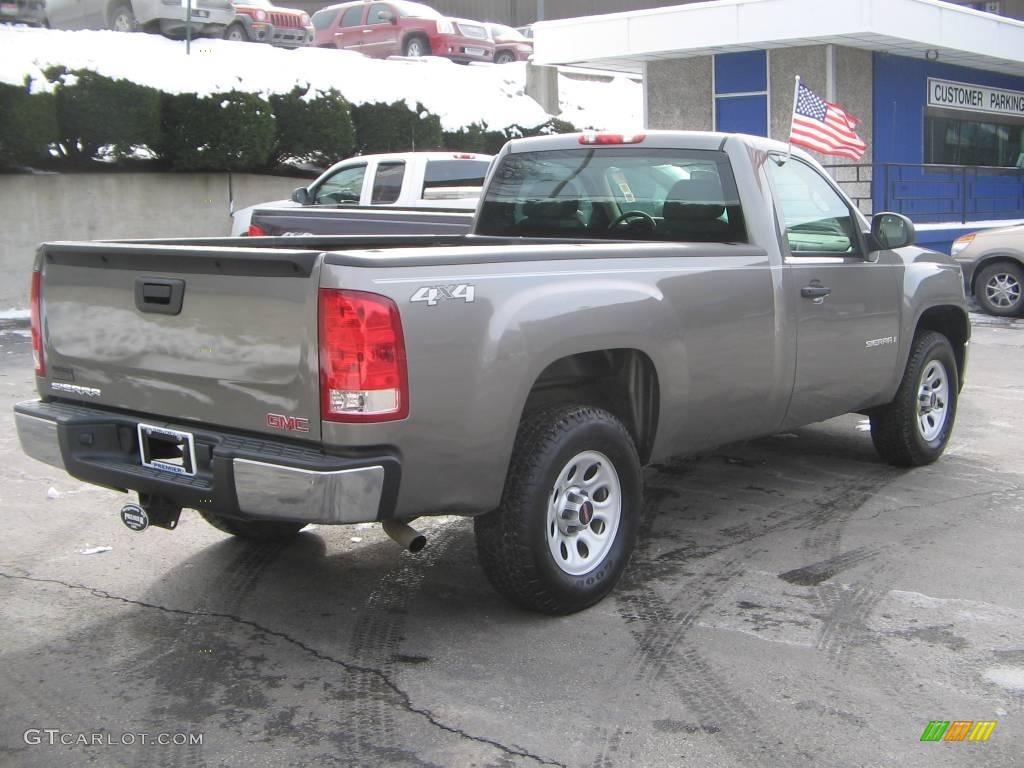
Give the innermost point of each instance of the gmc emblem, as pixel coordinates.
(287, 423)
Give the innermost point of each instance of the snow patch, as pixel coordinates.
(1006, 677)
(459, 95)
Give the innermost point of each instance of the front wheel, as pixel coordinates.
(915, 427)
(236, 32)
(569, 513)
(258, 530)
(998, 289)
(122, 19)
(504, 57)
(416, 47)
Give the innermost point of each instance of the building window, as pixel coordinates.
(955, 141)
(741, 92)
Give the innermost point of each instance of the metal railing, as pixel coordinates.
(954, 192)
(943, 193)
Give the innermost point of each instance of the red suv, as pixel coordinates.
(401, 28)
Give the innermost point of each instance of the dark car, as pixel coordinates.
(509, 44)
(32, 12)
(260, 21)
(400, 29)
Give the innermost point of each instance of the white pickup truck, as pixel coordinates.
(406, 193)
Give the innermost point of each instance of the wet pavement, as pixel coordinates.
(793, 602)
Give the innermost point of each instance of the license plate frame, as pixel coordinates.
(471, 51)
(199, 13)
(186, 441)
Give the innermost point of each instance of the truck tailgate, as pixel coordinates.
(241, 352)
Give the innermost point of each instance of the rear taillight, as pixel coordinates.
(363, 373)
(255, 230)
(37, 323)
(612, 138)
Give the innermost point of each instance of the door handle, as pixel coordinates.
(158, 295)
(815, 292)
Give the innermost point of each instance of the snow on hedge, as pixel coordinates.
(459, 95)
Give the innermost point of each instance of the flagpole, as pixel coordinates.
(796, 96)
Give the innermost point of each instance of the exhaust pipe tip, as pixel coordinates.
(404, 535)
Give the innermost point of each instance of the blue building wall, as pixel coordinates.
(900, 98)
(741, 92)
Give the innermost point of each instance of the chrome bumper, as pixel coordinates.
(284, 493)
(264, 490)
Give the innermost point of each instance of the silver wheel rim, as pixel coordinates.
(122, 23)
(235, 34)
(1003, 290)
(583, 513)
(415, 48)
(933, 400)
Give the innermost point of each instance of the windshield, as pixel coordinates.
(505, 33)
(615, 193)
(416, 11)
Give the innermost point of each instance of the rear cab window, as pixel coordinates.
(387, 183)
(665, 195)
(455, 178)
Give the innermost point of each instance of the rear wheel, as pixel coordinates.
(915, 427)
(998, 288)
(504, 57)
(569, 513)
(122, 18)
(416, 47)
(236, 32)
(260, 530)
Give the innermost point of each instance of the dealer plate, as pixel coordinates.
(167, 449)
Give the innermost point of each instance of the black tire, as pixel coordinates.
(504, 57)
(416, 46)
(122, 18)
(259, 530)
(896, 429)
(999, 288)
(513, 541)
(236, 32)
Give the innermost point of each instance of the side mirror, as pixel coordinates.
(891, 230)
(301, 196)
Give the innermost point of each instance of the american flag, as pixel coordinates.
(824, 127)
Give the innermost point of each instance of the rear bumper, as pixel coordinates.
(461, 48)
(236, 475)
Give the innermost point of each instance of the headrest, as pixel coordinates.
(698, 198)
(552, 200)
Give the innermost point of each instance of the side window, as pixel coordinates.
(353, 17)
(380, 14)
(387, 184)
(816, 218)
(343, 188)
(324, 19)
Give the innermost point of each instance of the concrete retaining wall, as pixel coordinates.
(91, 206)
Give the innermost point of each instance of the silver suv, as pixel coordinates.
(209, 17)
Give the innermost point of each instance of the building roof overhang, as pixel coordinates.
(914, 28)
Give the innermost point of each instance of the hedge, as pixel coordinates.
(231, 131)
(28, 125)
(317, 130)
(89, 117)
(94, 111)
(394, 127)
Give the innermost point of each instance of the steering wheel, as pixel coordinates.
(639, 216)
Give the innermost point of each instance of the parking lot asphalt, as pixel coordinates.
(793, 602)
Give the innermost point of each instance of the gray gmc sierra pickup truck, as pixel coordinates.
(621, 299)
